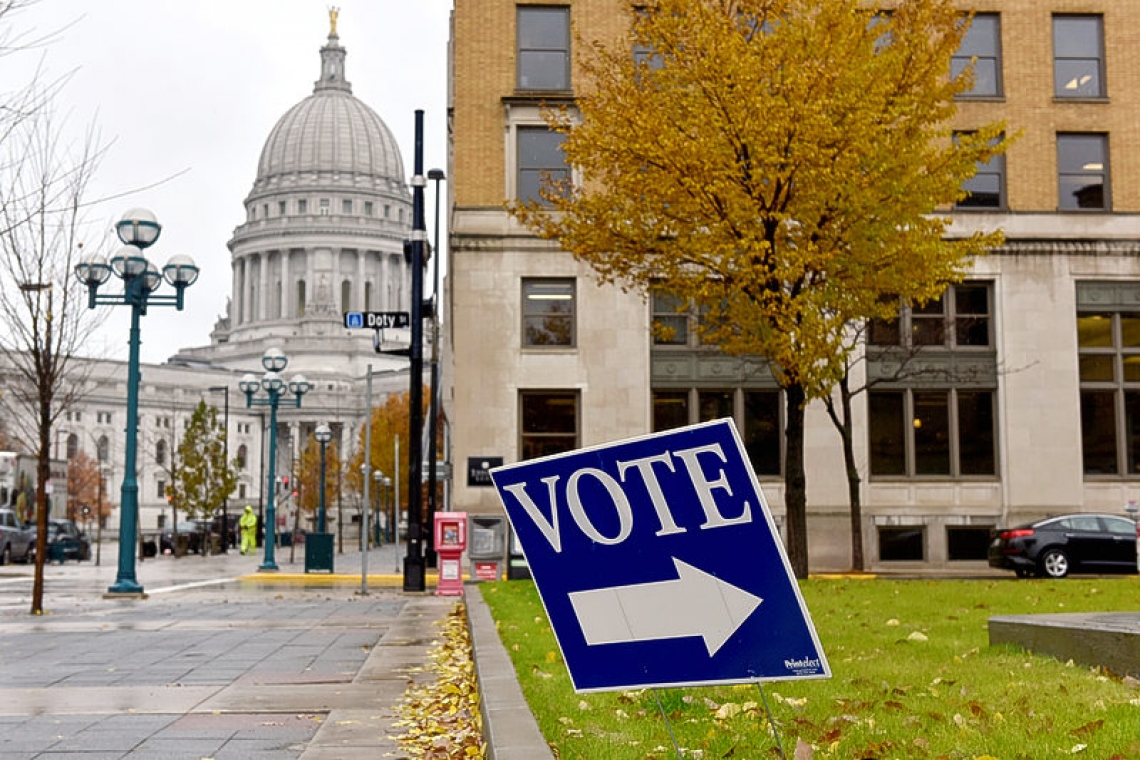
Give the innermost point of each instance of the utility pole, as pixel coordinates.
(414, 570)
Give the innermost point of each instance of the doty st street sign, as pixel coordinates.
(377, 320)
(659, 564)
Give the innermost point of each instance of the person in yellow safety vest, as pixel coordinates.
(248, 524)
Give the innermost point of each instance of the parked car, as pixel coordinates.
(65, 541)
(1077, 543)
(190, 532)
(15, 540)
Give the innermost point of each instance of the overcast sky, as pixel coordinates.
(190, 89)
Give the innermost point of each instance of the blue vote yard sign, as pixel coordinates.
(659, 564)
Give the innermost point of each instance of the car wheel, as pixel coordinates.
(1054, 564)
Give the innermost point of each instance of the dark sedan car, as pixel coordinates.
(1057, 546)
(65, 541)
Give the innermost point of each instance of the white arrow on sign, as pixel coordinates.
(695, 604)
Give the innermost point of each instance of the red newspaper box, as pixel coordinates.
(450, 543)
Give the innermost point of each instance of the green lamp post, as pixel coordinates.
(138, 230)
(274, 361)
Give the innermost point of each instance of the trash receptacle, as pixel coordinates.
(319, 553)
(487, 537)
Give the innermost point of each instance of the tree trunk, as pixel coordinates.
(43, 475)
(853, 479)
(795, 482)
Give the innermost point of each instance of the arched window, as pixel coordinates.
(300, 298)
(103, 449)
(160, 453)
(345, 295)
(72, 446)
(241, 457)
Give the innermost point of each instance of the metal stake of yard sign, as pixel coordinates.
(771, 720)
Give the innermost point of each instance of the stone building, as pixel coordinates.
(1042, 411)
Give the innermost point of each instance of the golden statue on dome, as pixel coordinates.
(333, 13)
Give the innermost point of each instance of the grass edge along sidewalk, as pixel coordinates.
(913, 676)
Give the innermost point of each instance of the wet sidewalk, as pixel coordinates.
(219, 661)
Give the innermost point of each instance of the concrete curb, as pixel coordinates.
(509, 726)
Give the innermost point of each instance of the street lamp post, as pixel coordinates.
(226, 441)
(274, 361)
(323, 434)
(138, 230)
(436, 176)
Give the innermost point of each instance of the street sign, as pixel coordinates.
(659, 564)
(377, 320)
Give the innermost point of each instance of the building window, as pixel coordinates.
(368, 296)
(242, 453)
(1109, 366)
(981, 46)
(986, 189)
(387, 211)
(670, 319)
(324, 207)
(1078, 57)
(1082, 172)
(756, 412)
(346, 207)
(300, 298)
(904, 543)
(548, 313)
(265, 211)
(160, 490)
(103, 449)
(540, 161)
(281, 208)
(917, 432)
(670, 410)
(959, 318)
(368, 208)
(74, 416)
(549, 422)
(302, 206)
(346, 295)
(160, 453)
(241, 490)
(72, 445)
(103, 418)
(967, 542)
(543, 47)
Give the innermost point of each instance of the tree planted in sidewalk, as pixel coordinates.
(203, 478)
(778, 165)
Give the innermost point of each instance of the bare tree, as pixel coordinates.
(44, 317)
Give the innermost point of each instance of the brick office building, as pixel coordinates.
(1040, 412)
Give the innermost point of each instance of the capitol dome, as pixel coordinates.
(329, 136)
(325, 223)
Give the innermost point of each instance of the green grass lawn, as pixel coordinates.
(913, 676)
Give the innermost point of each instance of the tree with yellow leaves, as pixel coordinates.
(778, 164)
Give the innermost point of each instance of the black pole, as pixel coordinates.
(414, 570)
(435, 175)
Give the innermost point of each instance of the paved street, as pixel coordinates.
(218, 662)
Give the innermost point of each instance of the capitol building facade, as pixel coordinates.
(323, 232)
